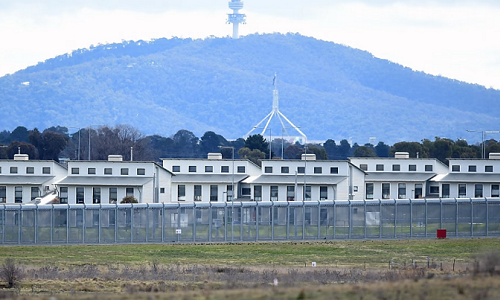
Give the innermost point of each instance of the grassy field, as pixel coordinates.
(345, 269)
(370, 253)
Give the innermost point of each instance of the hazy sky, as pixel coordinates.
(459, 39)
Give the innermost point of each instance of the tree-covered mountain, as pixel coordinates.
(223, 85)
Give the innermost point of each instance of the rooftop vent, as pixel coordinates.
(115, 158)
(21, 157)
(494, 155)
(308, 156)
(401, 155)
(214, 155)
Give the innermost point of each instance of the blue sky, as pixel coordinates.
(452, 38)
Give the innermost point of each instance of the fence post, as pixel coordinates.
(19, 225)
(210, 222)
(272, 220)
(178, 221)
(100, 221)
(319, 219)
(241, 221)
(487, 214)
(116, 222)
(411, 218)
(67, 224)
(334, 218)
(288, 220)
(350, 219)
(147, 222)
(132, 213)
(303, 220)
(456, 217)
(83, 223)
(441, 213)
(257, 215)
(395, 218)
(364, 203)
(381, 228)
(425, 216)
(52, 224)
(194, 220)
(35, 238)
(471, 217)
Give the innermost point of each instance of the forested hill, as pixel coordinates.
(225, 85)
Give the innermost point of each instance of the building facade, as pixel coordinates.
(22, 180)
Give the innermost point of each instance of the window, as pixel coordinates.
(495, 190)
(46, 170)
(355, 188)
(181, 192)
(478, 191)
(96, 195)
(91, 171)
(323, 193)
(3, 194)
(75, 170)
(80, 195)
(369, 191)
(257, 192)
(162, 190)
(379, 167)
(197, 192)
(209, 169)
(268, 169)
(141, 171)
(307, 196)
(124, 171)
(290, 193)
(386, 190)
(285, 170)
(396, 168)
(462, 190)
(318, 170)
(34, 192)
(445, 190)
(30, 170)
(418, 191)
(129, 192)
(472, 168)
(18, 194)
(63, 195)
(401, 190)
(246, 191)
(334, 170)
(412, 168)
(176, 168)
(241, 169)
(434, 190)
(301, 170)
(455, 168)
(274, 193)
(363, 167)
(229, 192)
(428, 168)
(214, 193)
(192, 169)
(0, 170)
(113, 195)
(13, 170)
(108, 171)
(488, 169)
(224, 169)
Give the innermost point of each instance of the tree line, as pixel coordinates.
(90, 143)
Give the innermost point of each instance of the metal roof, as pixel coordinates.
(104, 181)
(24, 179)
(398, 176)
(290, 179)
(215, 178)
(467, 177)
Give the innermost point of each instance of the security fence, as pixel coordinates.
(246, 221)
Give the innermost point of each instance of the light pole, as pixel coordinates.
(232, 193)
(79, 139)
(482, 141)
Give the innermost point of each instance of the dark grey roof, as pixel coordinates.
(216, 178)
(398, 176)
(24, 179)
(467, 177)
(106, 181)
(290, 179)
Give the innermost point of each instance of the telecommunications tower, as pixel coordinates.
(236, 18)
(276, 112)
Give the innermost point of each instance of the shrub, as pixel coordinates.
(487, 262)
(129, 199)
(10, 272)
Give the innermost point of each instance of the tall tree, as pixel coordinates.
(258, 142)
(186, 144)
(318, 151)
(19, 134)
(210, 142)
(382, 150)
(331, 149)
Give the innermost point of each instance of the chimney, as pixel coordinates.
(401, 155)
(21, 157)
(494, 155)
(309, 156)
(214, 156)
(115, 158)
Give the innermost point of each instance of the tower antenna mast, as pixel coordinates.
(276, 112)
(236, 18)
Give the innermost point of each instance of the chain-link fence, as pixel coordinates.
(246, 221)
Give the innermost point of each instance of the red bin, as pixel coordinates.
(441, 233)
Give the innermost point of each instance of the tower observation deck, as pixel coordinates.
(236, 18)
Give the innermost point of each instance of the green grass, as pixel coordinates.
(372, 253)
